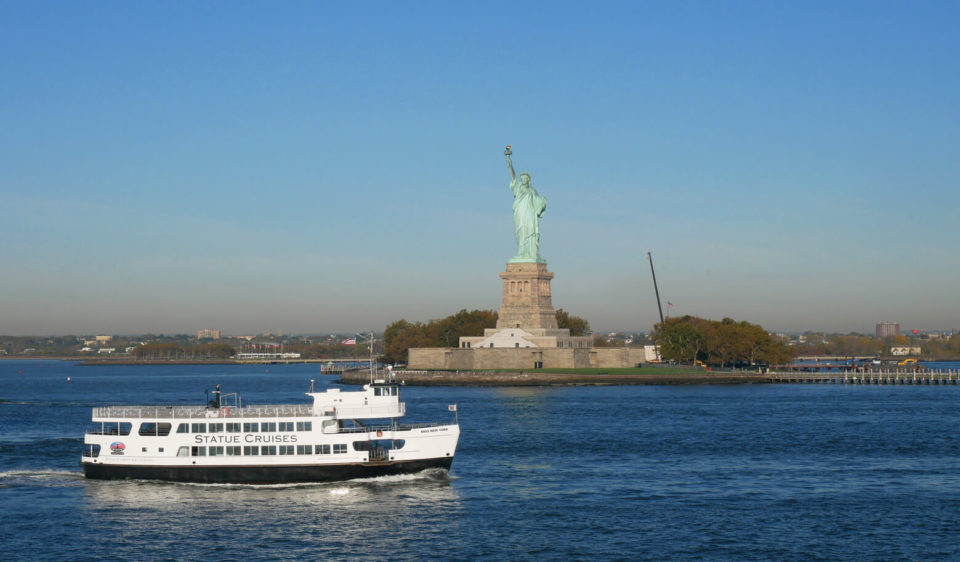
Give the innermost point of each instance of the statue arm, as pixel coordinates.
(513, 175)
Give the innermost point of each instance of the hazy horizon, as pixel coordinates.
(322, 168)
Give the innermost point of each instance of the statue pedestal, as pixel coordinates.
(526, 297)
(527, 319)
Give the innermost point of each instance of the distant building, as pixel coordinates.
(901, 350)
(888, 329)
(102, 339)
(208, 334)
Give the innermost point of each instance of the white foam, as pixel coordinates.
(428, 474)
(41, 474)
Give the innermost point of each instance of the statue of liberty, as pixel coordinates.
(528, 207)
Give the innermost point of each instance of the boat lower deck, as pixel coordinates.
(280, 474)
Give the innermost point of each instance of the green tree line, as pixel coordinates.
(725, 343)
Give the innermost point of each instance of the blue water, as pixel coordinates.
(754, 472)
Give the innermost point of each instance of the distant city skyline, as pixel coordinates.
(324, 168)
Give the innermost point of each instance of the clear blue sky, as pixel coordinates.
(334, 166)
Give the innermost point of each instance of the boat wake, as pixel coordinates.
(12, 478)
(434, 474)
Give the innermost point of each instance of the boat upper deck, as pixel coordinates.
(108, 413)
(195, 412)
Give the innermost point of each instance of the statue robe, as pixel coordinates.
(528, 207)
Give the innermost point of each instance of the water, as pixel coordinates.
(755, 472)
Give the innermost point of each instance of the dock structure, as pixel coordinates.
(326, 365)
(913, 377)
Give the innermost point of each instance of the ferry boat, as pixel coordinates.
(340, 436)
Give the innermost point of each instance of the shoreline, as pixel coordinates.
(449, 378)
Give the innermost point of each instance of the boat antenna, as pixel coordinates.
(655, 290)
(372, 374)
(370, 340)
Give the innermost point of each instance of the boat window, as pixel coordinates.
(376, 391)
(286, 426)
(268, 426)
(339, 448)
(251, 451)
(216, 451)
(143, 449)
(250, 427)
(286, 449)
(183, 452)
(198, 451)
(323, 449)
(155, 429)
(115, 428)
(304, 426)
(91, 450)
(233, 451)
(386, 444)
(160, 450)
(216, 428)
(183, 428)
(198, 428)
(304, 449)
(233, 427)
(268, 450)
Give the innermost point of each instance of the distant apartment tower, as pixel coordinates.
(888, 329)
(208, 334)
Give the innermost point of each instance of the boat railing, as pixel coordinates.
(197, 412)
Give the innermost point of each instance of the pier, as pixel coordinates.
(868, 377)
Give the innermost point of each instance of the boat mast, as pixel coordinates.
(371, 359)
(371, 340)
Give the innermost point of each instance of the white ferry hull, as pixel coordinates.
(277, 474)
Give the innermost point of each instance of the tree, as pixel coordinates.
(401, 336)
(679, 340)
(217, 350)
(724, 343)
(577, 326)
(448, 331)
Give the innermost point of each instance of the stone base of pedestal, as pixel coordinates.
(526, 298)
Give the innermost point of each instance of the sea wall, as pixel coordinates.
(492, 378)
(483, 358)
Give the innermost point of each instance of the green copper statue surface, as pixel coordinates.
(528, 207)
